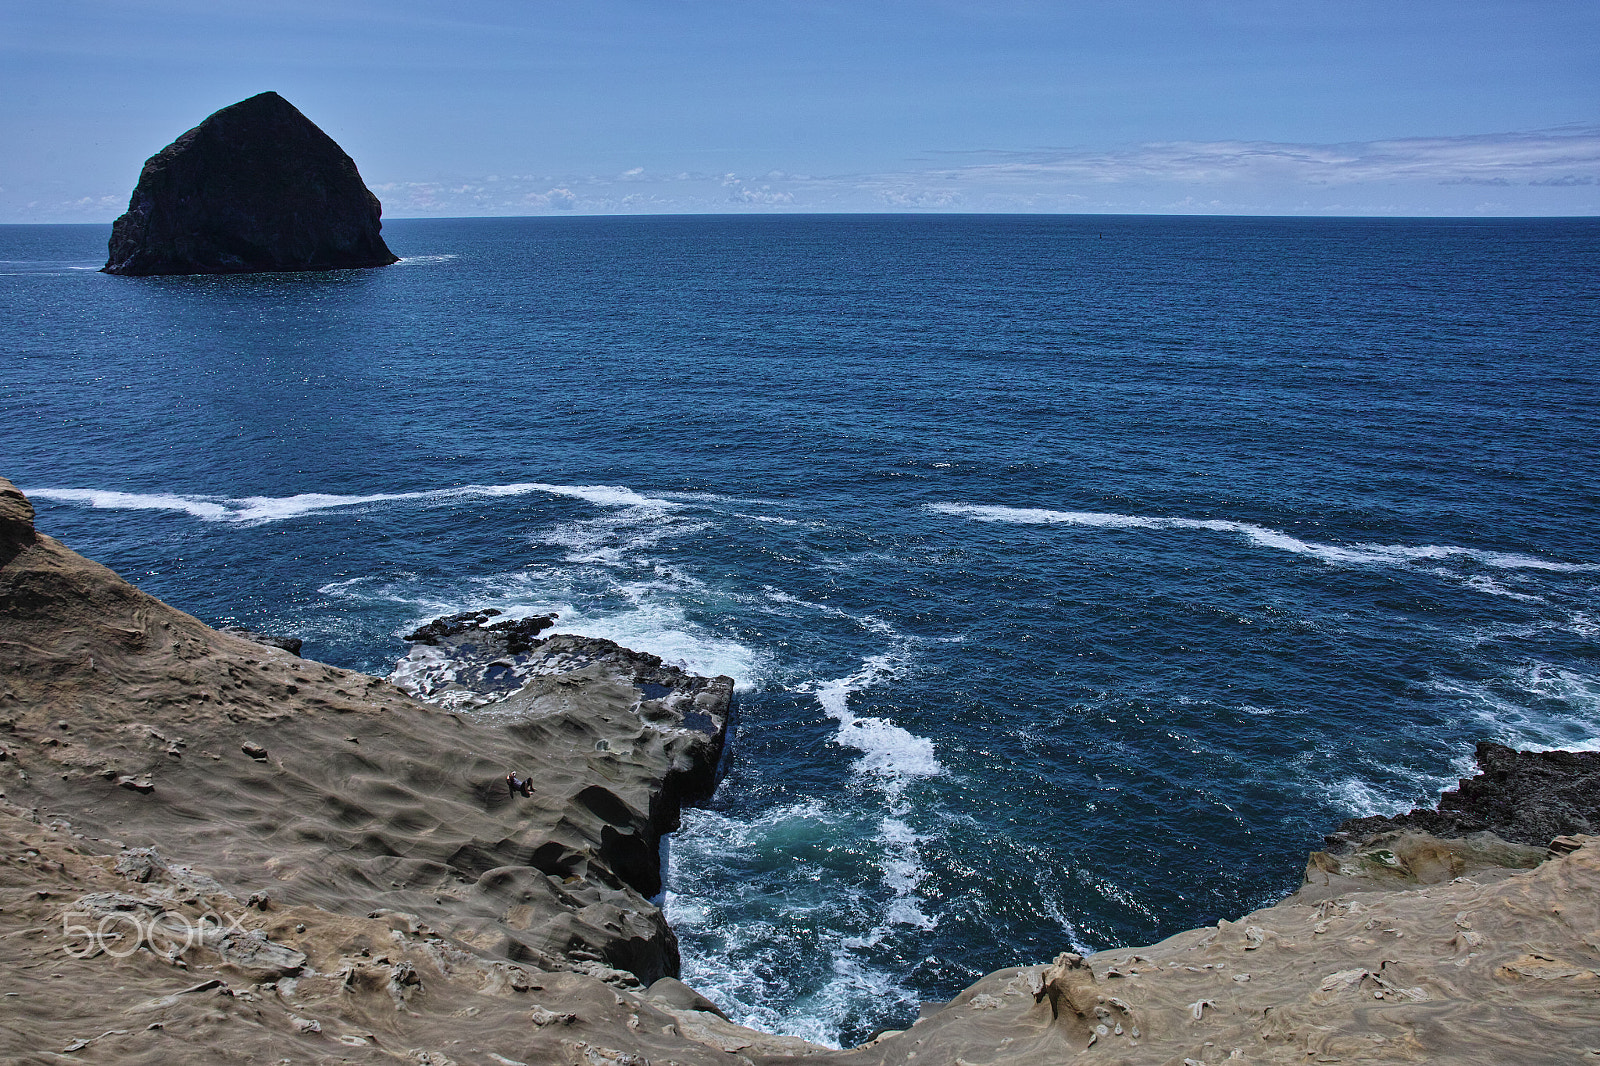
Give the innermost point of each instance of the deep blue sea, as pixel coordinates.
(1079, 573)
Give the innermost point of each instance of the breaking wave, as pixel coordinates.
(1359, 554)
(257, 510)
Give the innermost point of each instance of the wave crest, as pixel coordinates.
(258, 510)
(1360, 554)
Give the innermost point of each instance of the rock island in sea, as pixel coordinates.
(214, 851)
(255, 187)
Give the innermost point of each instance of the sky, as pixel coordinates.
(494, 107)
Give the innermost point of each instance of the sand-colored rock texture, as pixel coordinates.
(213, 851)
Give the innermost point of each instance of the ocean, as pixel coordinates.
(1078, 573)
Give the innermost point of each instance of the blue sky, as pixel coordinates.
(1404, 107)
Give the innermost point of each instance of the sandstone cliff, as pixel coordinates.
(255, 187)
(212, 851)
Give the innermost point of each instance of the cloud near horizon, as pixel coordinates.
(1540, 172)
(1563, 156)
(1555, 171)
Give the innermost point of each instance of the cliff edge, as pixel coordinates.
(212, 851)
(255, 187)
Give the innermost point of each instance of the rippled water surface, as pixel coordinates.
(1078, 573)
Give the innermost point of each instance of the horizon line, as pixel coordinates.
(925, 213)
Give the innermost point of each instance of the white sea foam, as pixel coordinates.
(615, 539)
(1360, 554)
(1069, 929)
(871, 623)
(903, 874)
(418, 260)
(750, 944)
(1486, 585)
(1538, 707)
(1362, 799)
(256, 510)
(603, 495)
(892, 758)
(207, 508)
(645, 616)
(891, 754)
(739, 949)
(662, 628)
(1576, 624)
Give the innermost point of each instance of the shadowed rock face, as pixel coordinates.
(256, 187)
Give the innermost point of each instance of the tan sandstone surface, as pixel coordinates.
(213, 851)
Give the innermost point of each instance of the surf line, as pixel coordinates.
(256, 510)
(1360, 554)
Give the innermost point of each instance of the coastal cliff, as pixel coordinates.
(215, 851)
(255, 187)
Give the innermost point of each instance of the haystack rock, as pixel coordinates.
(256, 187)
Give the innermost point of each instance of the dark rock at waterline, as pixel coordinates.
(510, 637)
(256, 187)
(1526, 797)
(292, 645)
(436, 631)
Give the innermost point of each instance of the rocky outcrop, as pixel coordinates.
(16, 522)
(1454, 973)
(333, 789)
(674, 723)
(255, 187)
(506, 636)
(1526, 797)
(214, 852)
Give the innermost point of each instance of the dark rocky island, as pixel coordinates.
(257, 187)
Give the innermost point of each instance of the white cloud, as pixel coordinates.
(907, 197)
(1554, 171)
(1569, 155)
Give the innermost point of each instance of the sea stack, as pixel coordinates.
(256, 187)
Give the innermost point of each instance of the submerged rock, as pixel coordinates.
(255, 187)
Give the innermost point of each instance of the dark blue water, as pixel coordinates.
(1079, 573)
